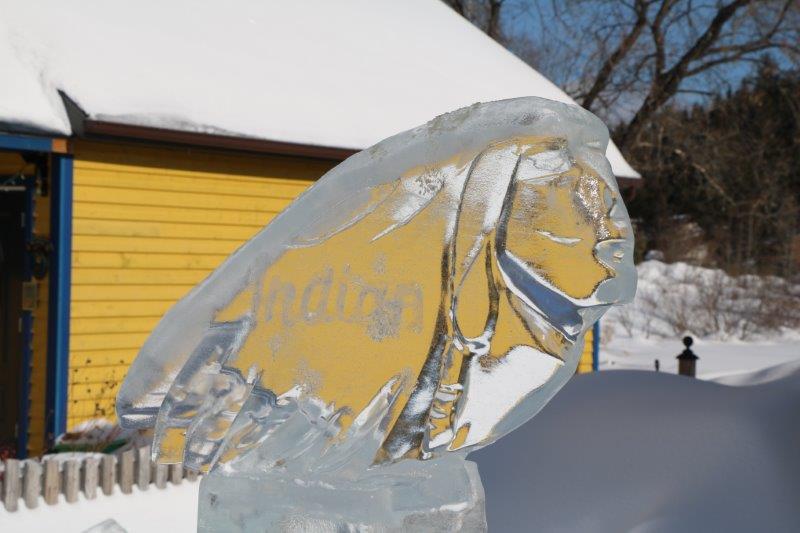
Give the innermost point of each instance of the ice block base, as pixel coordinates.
(425, 496)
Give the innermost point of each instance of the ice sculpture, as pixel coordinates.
(424, 298)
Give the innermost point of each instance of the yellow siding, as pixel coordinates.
(585, 364)
(148, 224)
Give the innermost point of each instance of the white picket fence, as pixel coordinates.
(34, 479)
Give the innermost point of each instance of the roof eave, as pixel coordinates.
(103, 129)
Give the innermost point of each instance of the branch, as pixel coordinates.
(738, 56)
(622, 50)
(494, 20)
(658, 35)
(704, 42)
(716, 185)
(665, 84)
(457, 6)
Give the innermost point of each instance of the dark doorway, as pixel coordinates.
(12, 264)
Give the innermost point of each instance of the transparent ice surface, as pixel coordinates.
(106, 526)
(444, 495)
(426, 296)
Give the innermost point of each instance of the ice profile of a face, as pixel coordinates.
(426, 296)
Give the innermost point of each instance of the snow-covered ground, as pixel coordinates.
(717, 358)
(172, 509)
(721, 314)
(613, 452)
(632, 451)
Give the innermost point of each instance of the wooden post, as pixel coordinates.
(161, 473)
(687, 359)
(108, 474)
(90, 477)
(32, 486)
(143, 468)
(72, 480)
(176, 473)
(12, 484)
(126, 471)
(52, 481)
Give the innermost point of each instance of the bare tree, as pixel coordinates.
(625, 59)
(725, 39)
(729, 169)
(485, 14)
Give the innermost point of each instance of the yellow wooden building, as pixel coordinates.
(130, 175)
(141, 224)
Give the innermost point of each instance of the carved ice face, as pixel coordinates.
(560, 252)
(433, 310)
(571, 212)
(568, 229)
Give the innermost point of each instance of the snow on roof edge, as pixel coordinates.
(34, 128)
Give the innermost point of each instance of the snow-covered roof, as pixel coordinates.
(337, 74)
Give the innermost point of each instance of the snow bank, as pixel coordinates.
(311, 72)
(717, 358)
(646, 452)
(172, 509)
(740, 325)
(677, 298)
(785, 371)
(614, 451)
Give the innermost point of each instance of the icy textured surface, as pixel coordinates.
(426, 296)
(106, 526)
(444, 495)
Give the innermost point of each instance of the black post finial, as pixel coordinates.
(687, 360)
